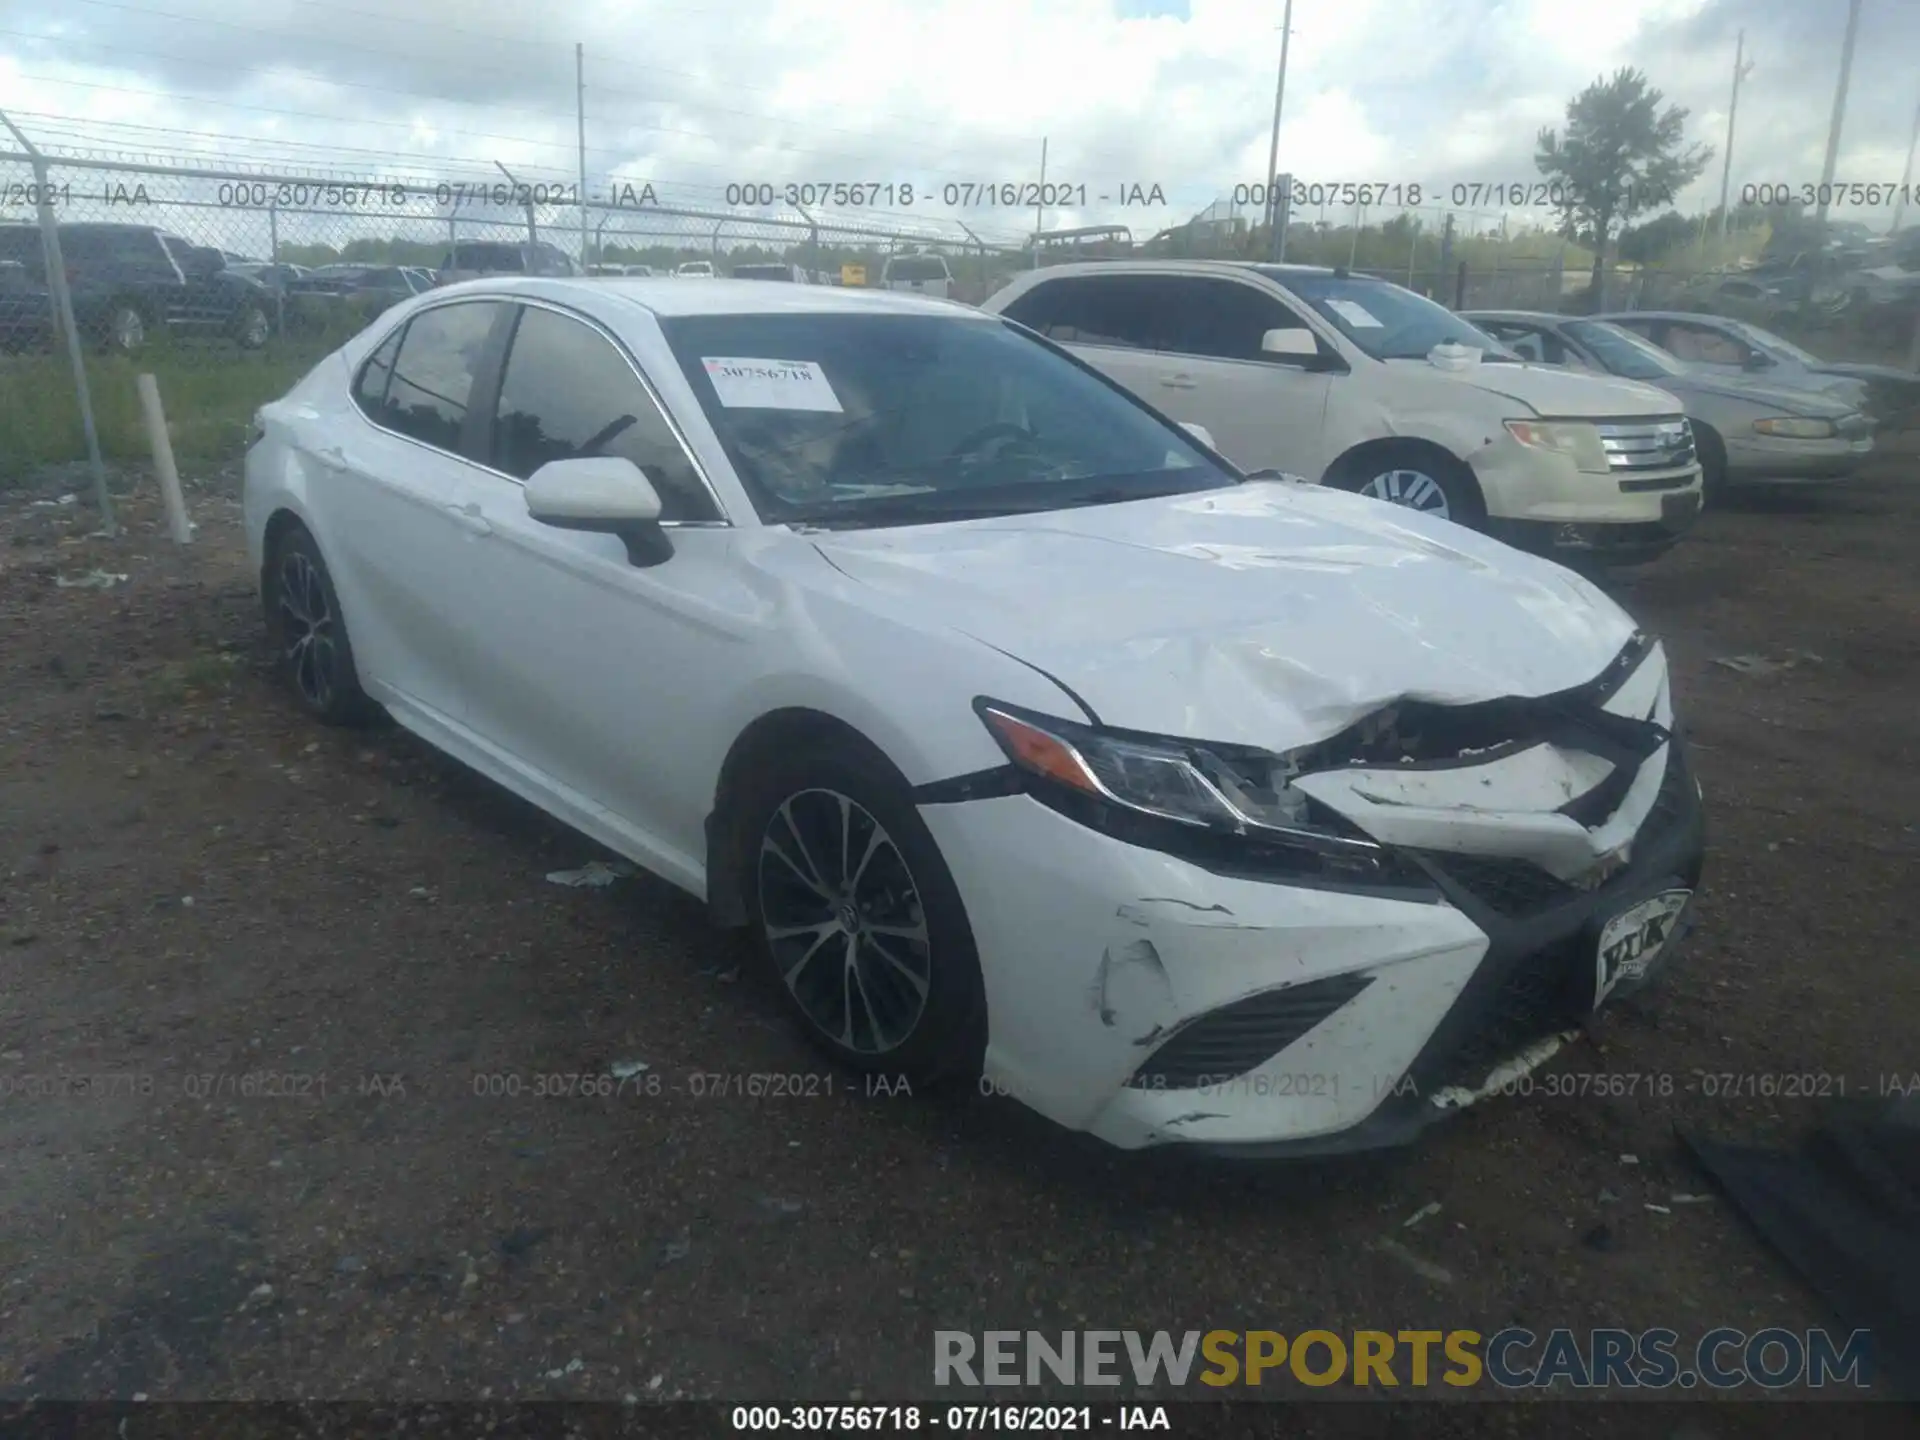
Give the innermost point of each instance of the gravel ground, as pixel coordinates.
(201, 887)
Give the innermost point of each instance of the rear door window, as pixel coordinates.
(1123, 311)
(433, 374)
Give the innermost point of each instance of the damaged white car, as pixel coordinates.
(1031, 740)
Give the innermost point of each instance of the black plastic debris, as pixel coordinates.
(1844, 1212)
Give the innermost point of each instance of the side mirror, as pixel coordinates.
(605, 494)
(1757, 360)
(1198, 432)
(1290, 344)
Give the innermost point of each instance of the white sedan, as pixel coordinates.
(1034, 743)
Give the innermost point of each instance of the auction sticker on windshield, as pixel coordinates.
(1353, 314)
(746, 384)
(1633, 940)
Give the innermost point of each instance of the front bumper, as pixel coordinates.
(1538, 501)
(1114, 974)
(1788, 462)
(1623, 544)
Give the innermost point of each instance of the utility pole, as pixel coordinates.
(1906, 175)
(1040, 210)
(1839, 113)
(580, 114)
(1273, 146)
(1742, 67)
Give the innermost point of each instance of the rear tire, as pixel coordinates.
(251, 327)
(126, 328)
(856, 917)
(310, 634)
(1416, 477)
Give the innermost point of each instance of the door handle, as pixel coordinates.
(469, 518)
(1178, 382)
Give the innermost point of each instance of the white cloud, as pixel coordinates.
(696, 96)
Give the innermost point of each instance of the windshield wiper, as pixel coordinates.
(926, 506)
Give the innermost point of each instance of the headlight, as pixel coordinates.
(1578, 441)
(1217, 804)
(1795, 427)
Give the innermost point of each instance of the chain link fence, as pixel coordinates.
(229, 285)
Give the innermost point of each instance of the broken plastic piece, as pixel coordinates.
(627, 1069)
(594, 875)
(92, 580)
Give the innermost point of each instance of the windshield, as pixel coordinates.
(873, 419)
(1386, 320)
(1767, 340)
(1623, 352)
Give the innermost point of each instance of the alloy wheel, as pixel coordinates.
(129, 330)
(1414, 489)
(307, 627)
(844, 921)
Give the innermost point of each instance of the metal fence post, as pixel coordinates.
(63, 319)
(273, 258)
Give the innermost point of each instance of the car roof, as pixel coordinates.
(1697, 315)
(1175, 266)
(667, 297)
(1539, 317)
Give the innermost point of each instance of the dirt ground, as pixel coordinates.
(201, 890)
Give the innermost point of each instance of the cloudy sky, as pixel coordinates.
(1177, 93)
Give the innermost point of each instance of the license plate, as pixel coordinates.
(1632, 940)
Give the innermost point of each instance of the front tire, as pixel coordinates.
(126, 329)
(310, 634)
(856, 917)
(1417, 478)
(1712, 452)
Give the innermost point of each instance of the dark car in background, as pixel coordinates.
(133, 283)
(275, 278)
(381, 284)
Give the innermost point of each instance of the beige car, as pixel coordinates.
(1747, 431)
(1360, 383)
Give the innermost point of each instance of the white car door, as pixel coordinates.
(606, 673)
(397, 495)
(1263, 411)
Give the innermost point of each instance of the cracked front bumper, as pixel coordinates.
(1116, 975)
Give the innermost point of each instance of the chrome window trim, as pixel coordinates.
(724, 520)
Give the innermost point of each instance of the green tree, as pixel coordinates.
(1657, 239)
(1620, 156)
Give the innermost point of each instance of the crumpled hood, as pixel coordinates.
(1269, 614)
(1551, 390)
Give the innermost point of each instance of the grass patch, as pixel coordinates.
(210, 394)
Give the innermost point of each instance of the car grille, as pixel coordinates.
(1647, 444)
(1243, 1036)
(1545, 993)
(1515, 888)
